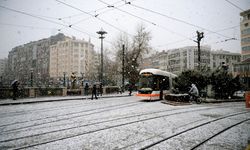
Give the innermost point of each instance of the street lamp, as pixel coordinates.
(101, 32)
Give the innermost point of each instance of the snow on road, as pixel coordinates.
(121, 123)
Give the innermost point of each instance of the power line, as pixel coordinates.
(228, 39)
(24, 26)
(47, 20)
(234, 5)
(95, 17)
(145, 20)
(176, 19)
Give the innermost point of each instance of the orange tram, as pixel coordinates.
(154, 83)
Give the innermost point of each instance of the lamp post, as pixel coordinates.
(101, 32)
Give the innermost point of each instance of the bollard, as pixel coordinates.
(247, 97)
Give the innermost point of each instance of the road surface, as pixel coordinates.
(124, 123)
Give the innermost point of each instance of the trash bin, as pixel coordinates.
(247, 97)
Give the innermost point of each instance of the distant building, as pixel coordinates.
(46, 60)
(72, 55)
(186, 58)
(243, 69)
(226, 57)
(3, 63)
(31, 58)
(245, 34)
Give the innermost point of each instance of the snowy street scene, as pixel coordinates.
(124, 123)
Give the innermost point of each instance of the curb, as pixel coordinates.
(54, 100)
(224, 101)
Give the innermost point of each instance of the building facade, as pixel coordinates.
(46, 60)
(31, 61)
(3, 63)
(245, 34)
(186, 58)
(72, 56)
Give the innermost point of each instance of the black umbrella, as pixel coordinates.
(13, 82)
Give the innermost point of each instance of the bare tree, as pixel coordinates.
(134, 52)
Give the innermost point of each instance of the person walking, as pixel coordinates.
(94, 92)
(101, 89)
(86, 89)
(130, 89)
(15, 85)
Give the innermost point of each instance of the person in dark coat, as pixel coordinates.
(15, 89)
(94, 92)
(101, 89)
(130, 89)
(86, 89)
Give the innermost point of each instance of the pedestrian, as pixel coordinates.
(15, 85)
(101, 89)
(94, 92)
(86, 89)
(130, 88)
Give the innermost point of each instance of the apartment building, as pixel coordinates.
(31, 59)
(186, 58)
(245, 34)
(72, 56)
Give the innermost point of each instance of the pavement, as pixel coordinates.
(66, 98)
(56, 98)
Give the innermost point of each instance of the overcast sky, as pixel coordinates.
(172, 23)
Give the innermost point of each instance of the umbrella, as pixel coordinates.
(13, 82)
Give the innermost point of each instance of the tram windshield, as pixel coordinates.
(146, 82)
(149, 82)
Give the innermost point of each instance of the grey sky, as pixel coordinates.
(213, 15)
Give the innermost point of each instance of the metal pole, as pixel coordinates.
(123, 67)
(101, 32)
(102, 59)
(199, 37)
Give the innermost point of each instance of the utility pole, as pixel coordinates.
(199, 37)
(123, 67)
(101, 32)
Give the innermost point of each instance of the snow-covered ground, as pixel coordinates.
(123, 123)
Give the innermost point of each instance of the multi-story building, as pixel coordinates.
(3, 63)
(72, 56)
(31, 59)
(243, 69)
(226, 57)
(186, 58)
(245, 34)
(47, 59)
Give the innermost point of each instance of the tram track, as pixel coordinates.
(218, 133)
(24, 112)
(74, 117)
(41, 142)
(67, 118)
(192, 128)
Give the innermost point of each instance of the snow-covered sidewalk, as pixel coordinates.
(55, 98)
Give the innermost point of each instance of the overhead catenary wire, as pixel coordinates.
(176, 19)
(94, 17)
(234, 5)
(145, 20)
(47, 20)
(227, 39)
(98, 14)
(25, 26)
